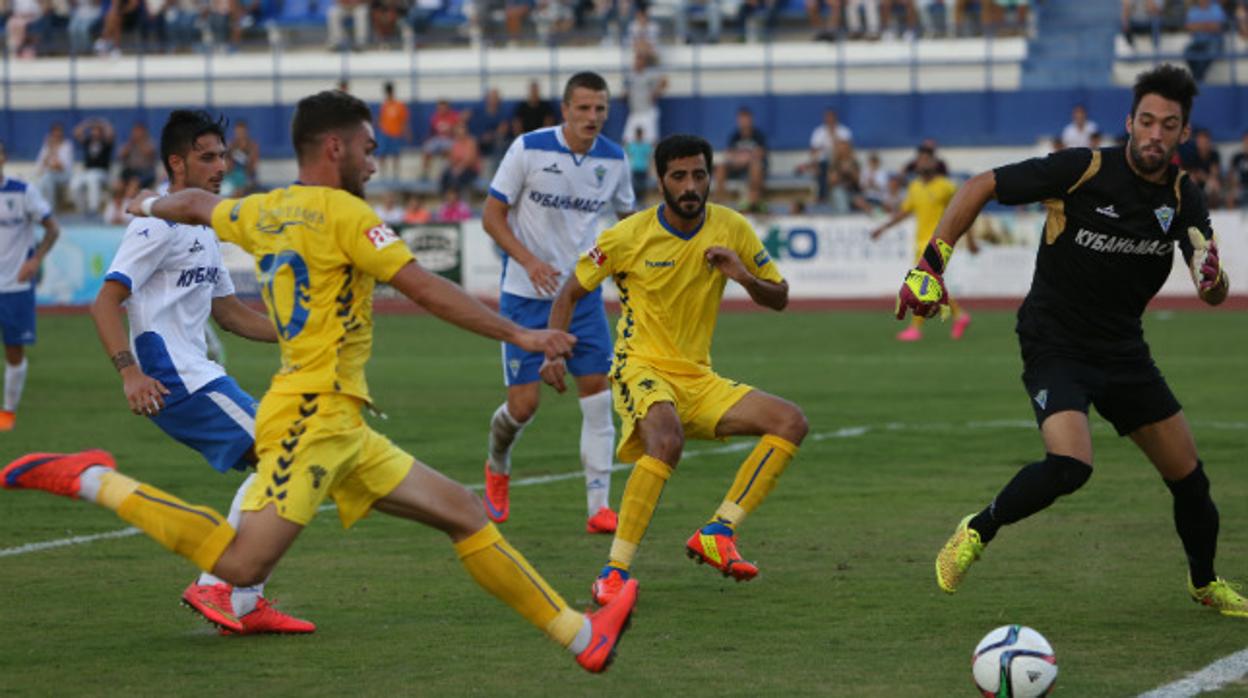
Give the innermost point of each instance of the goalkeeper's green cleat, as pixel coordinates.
(1220, 595)
(962, 548)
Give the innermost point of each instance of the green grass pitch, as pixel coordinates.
(905, 440)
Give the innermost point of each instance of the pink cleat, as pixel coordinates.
(910, 334)
(960, 325)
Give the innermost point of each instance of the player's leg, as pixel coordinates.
(17, 318)
(14, 383)
(590, 362)
(427, 496)
(1060, 392)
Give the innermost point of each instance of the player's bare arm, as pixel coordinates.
(545, 278)
(144, 394)
(554, 368)
(768, 294)
(894, 219)
(51, 231)
(965, 206)
(236, 316)
(451, 303)
(191, 206)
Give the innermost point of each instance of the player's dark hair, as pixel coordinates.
(322, 113)
(680, 145)
(1170, 82)
(182, 129)
(586, 79)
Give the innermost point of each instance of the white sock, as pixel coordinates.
(89, 483)
(243, 598)
(14, 381)
(583, 636)
(597, 448)
(504, 430)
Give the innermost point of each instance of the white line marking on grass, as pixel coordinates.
(1221, 673)
(842, 433)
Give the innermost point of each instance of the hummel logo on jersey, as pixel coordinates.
(1042, 398)
(1107, 211)
(143, 233)
(552, 168)
(196, 247)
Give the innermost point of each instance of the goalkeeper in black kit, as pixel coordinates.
(1115, 217)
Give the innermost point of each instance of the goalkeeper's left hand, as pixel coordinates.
(923, 292)
(1205, 265)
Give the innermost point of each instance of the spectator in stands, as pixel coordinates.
(394, 131)
(644, 87)
(115, 212)
(138, 157)
(758, 18)
(873, 182)
(463, 161)
(822, 143)
(421, 15)
(335, 19)
(639, 152)
(453, 209)
(1241, 18)
(119, 16)
(911, 168)
(903, 15)
(1204, 165)
(746, 158)
(182, 22)
(514, 14)
(415, 212)
(934, 16)
(551, 19)
(95, 136)
(844, 180)
(242, 172)
(1078, 132)
(643, 34)
(389, 210)
(1205, 22)
(25, 15)
(826, 28)
(82, 21)
(710, 10)
(441, 126)
(533, 113)
(490, 127)
(1141, 17)
(862, 18)
(896, 192)
(54, 165)
(996, 17)
(385, 15)
(1237, 175)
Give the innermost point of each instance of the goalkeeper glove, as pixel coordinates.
(923, 292)
(1205, 265)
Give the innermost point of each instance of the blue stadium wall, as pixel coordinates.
(878, 120)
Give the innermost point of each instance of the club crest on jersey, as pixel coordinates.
(381, 236)
(600, 172)
(1165, 216)
(234, 211)
(514, 366)
(597, 256)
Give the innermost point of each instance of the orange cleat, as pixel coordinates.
(57, 473)
(212, 602)
(609, 624)
(716, 545)
(265, 619)
(608, 584)
(604, 521)
(497, 502)
(7, 420)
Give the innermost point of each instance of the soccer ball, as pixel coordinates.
(1014, 661)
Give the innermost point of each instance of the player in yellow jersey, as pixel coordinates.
(927, 198)
(671, 264)
(319, 249)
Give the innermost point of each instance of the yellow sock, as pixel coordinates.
(641, 497)
(954, 309)
(501, 570)
(755, 479)
(917, 321)
(198, 534)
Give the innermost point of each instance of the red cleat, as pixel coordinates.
(609, 624)
(604, 521)
(57, 473)
(608, 584)
(212, 602)
(719, 550)
(497, 503)
(265, 619)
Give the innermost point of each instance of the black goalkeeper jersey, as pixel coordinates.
(1107, 249)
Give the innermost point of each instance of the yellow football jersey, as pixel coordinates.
(928, 201)
(669, 295)
(318, 253)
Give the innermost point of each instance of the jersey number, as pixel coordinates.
(271, 267)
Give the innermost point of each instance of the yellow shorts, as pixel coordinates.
(701, 401)
(315, 445)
